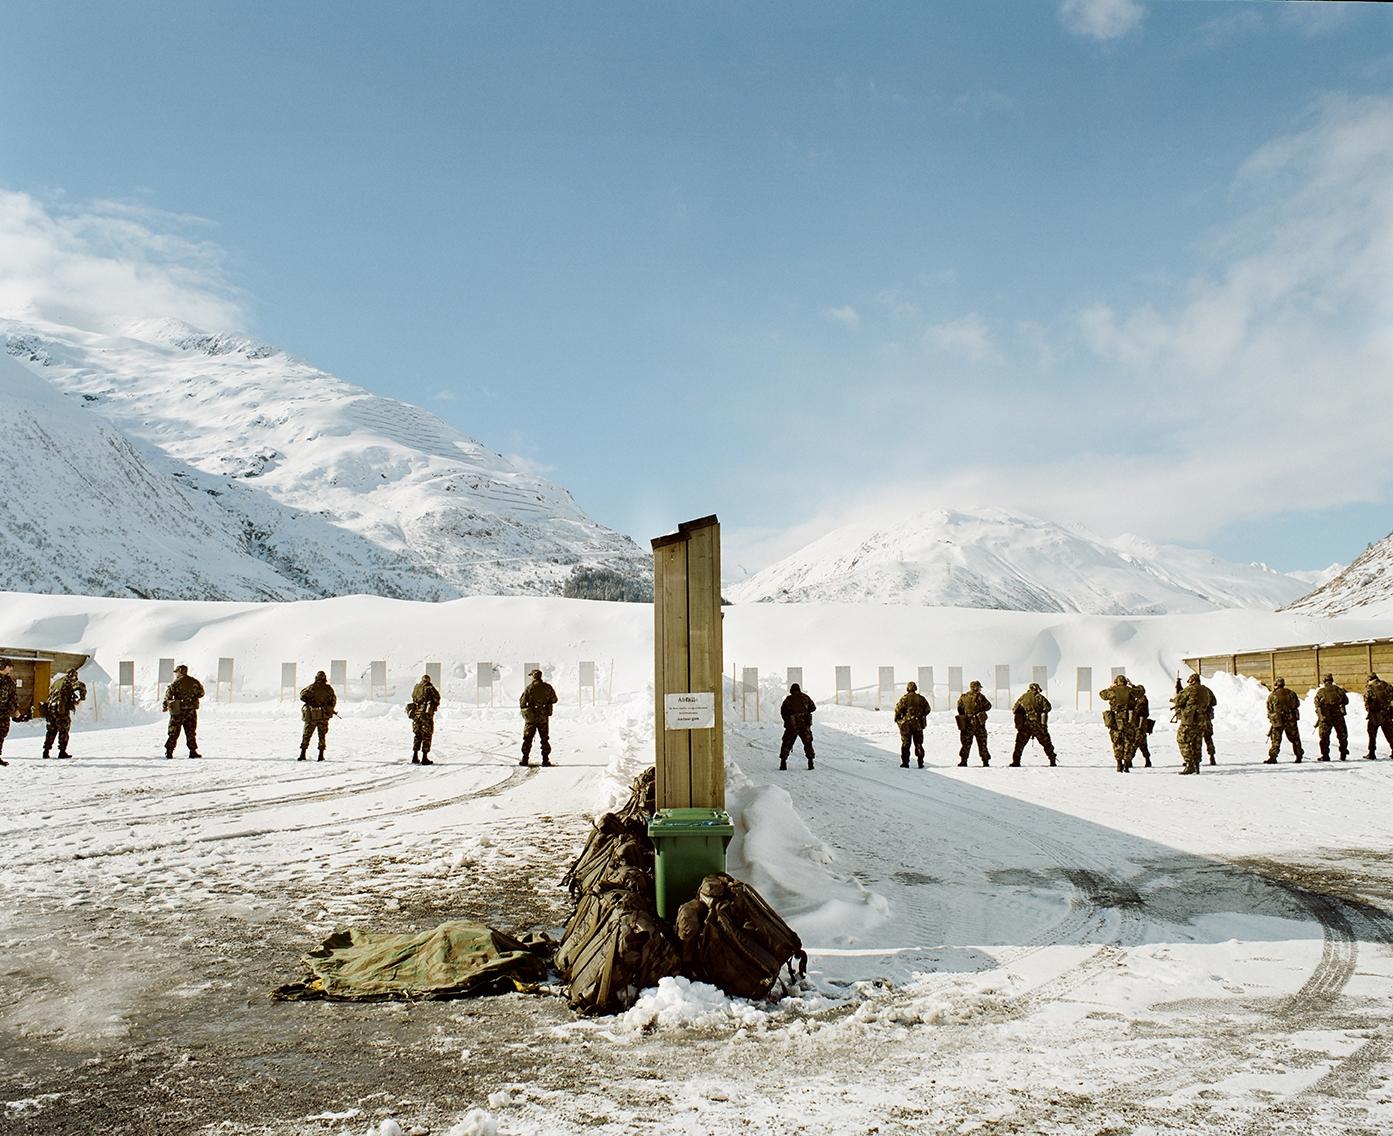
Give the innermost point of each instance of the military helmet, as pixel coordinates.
(1120, 680)
(426, 679)
(535, 674)
(72, 671)
(1373, 678)
(1328, 678)
(794, 688)
(911, 687)
(181, 669)
(1035, 686)
(974, 685)
(320, 676)
(1193, 680)
(1281, 682)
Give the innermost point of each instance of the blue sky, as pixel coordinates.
(1109, 261)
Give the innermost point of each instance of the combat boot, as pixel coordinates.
(194, 754)
(425, 759)
(986, 760)
(783, 765)
(302, 754)
(1323, 757)
(1270, 761)
(321, 755)
(1298, 758)
(921, 763)
(523, 762)
(169, 755)
(904, 763)
(960, 764)
(1015, 763)
(546, 762)
(3, 762)
(416, 754)
(1211, 759)
(1053, 762)
(810, 763)
(1147, 762)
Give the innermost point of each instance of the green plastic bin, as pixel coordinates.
(688, 845)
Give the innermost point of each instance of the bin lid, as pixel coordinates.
(691, 822)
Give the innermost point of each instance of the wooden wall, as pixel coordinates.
(1303, 667)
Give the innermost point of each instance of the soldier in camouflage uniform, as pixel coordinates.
(911, 716)
(1331, 701)
(9, 702)
(972, 723)
(1122, 721)
(1206, 701)
(1144, 722)
(318, 706)
(1378, 709)
(1283, 715)
(1032, 714)
(181, 700)
(1188, 708)
(63, 698)
(535, 703)
(425, 701)
(797, 712)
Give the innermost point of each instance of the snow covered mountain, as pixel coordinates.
(995, 559)
(174, 463)
(1364, 589)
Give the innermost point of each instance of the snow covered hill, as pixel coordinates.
(1364, 589)
(995, 559)
(272, 479)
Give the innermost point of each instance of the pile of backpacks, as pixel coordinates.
(615, 945)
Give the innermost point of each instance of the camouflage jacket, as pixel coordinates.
(1204, 699)
(1378, 701)
(319, 701)
(912, 710)
(974, 704)
(9, 696)
(1033, 707)
(1283, 706)
(425, 696)
(1190, 707)
(1331, 701)
(1124, 705)
(65, 694)
(536, 702)
(797, 711)
(181, 696)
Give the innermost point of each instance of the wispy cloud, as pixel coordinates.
(100, 264)
(969, 336)
(846, 315)
(1102, 20)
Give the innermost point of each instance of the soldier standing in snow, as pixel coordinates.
(319, 701)
(972, 723)
(1145, 724)
(62, 701)
(1188, 709)
(1122, 722)
(1205, 700)
(181, 699)
(9, 701)
(1378, 709)
(1032, 714)
(797, 712)
(535, 703)
(1331, 701)
(912, 715)
(425, 701)
(1283, 715)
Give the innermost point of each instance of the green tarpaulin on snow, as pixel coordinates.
(453, 960)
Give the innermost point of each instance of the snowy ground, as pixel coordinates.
(994, 950)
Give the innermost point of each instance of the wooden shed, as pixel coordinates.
(34, 671)
(1351, 663)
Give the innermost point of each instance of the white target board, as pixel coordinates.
(166, 671)
(794, 675)
(338, 672)
(885, 685)
(926, 685)
(844, 685)
(1041, 676)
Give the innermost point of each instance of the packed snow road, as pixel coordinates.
(994, 950)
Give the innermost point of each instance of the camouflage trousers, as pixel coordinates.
(536, 729)
(1032, 731)
(59, 726)
(1374, 728)
(4, 729)
(1275, 736)
(1124, 748)
(911, 736)
(973, 732)
(802, 734)
(1189, 739)
(422, 731)
(1323, 728)
(187, 724)
(311, 728)
(1208, 738)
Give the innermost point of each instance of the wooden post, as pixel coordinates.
(688, 659)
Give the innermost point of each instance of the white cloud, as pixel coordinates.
(99, 265)
(1102, 19)
(846, 315)
(1258, 388)
(968, 336)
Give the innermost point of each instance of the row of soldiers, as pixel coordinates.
(318, 705)
(1127, 718)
